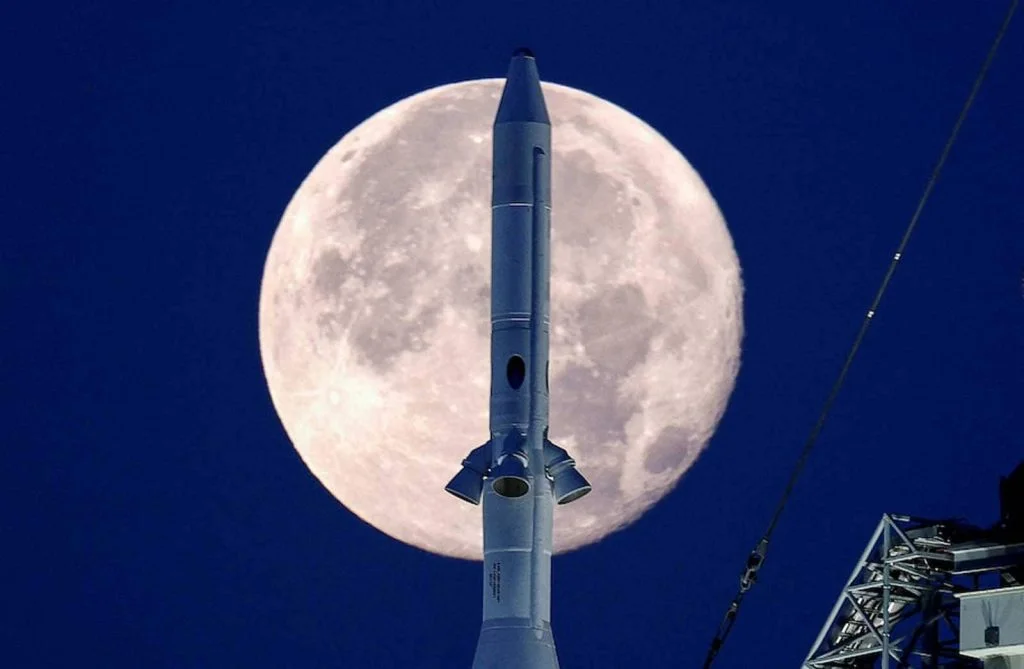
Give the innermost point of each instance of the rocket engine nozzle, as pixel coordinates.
(468, 484)
(567, 482)
(511, 476)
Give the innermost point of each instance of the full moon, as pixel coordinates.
(374, 318)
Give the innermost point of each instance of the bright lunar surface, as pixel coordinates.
(375, 313)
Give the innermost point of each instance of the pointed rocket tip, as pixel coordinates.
(522, 100)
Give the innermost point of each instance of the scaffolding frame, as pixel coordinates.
(898, 608)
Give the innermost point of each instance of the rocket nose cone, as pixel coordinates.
(522, 100)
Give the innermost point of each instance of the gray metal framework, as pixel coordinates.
(898, 608)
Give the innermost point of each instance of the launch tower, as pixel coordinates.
(933, 593)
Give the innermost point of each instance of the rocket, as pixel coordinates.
(518, 474)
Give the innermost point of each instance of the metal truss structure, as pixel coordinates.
(899, 606)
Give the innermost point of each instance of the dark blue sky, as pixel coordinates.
(156, 513)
